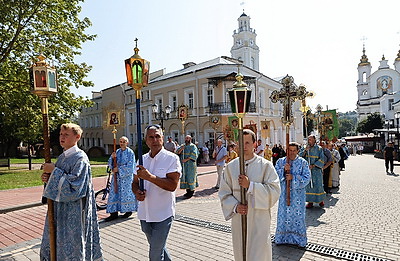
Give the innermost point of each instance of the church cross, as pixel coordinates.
(287, 95)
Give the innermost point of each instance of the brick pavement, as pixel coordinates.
(360, 217)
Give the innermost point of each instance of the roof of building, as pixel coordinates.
(196, 67)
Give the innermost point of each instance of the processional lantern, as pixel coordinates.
(137, 76)
(43, 78)
(239, 97)
(43, 81)
(137, 71)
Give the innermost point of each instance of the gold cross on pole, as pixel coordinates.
(287, 95)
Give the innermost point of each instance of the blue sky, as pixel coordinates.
(318, 42)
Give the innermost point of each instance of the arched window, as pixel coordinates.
(364, 77)
(364, 92)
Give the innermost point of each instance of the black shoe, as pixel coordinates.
(126, 215)
(189, 194)
(112, 216)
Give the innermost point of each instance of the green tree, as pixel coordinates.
(346, 126)
(28, 28)
(373, 121)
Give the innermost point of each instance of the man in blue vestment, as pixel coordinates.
(291, 225)
(314, 155)
(69, 185)
(122, 200)
(189, 154)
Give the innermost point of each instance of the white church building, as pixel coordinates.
(379, 91)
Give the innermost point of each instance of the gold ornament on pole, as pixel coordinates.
(287, 95)
(239, 97)
(43, 80)
(183, 115)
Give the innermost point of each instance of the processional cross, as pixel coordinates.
(287, 95)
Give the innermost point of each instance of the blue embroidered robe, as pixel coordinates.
(291, 225)
(315, 189)
(189, 173)
(122, 200)
(77, 231)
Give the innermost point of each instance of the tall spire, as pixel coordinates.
(398, 56)
(364, 58)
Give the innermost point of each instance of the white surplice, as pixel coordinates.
(263, 193)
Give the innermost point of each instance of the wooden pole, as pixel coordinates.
(288, 161)
(47, 158)
(115, 160)
(242, 189)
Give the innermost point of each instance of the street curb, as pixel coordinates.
(29, 205)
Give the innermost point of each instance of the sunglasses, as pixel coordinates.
(153, 126)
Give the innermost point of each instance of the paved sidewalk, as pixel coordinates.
(361, 221)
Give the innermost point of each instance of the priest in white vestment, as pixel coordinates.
(263, 191)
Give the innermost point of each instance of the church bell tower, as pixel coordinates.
(244, 43)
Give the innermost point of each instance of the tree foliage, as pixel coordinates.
(346, 127)
(373, 121)
(28, 28)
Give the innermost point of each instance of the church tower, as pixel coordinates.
(397, 62)
(244, 43)
(364, 71)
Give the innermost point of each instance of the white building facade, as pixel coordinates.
(203, 88)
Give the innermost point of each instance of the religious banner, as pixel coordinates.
(234, 126)
(228, 133)
(265, 130)
(113, 118)
(251, 126)
(331, 124)
(183, 112)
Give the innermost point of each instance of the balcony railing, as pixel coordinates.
(225, 107)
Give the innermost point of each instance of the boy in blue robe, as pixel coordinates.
(69, 185)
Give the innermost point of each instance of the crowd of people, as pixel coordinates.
(306, 173)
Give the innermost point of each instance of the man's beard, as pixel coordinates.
(187, 142)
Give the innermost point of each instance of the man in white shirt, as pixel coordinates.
(260, 148)
(161, 171)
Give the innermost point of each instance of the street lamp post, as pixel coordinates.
(387, 123)
(397, 116)
(44, 84)
(160, 114)
(137, 76)
(239, 97)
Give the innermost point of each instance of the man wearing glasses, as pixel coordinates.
(161, 171)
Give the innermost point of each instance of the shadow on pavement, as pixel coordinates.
(103, 223)
(313, 214)
(331, 201)
(205, 192)
(281, 251)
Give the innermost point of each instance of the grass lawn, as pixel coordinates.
(93, 161)
(11, 179)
